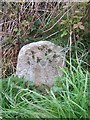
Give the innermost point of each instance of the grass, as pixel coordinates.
(68, 98)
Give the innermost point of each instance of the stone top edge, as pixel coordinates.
(38, 43)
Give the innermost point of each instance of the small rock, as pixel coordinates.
(40, 62)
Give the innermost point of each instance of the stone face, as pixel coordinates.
(40, 62)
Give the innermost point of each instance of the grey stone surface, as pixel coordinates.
(40, 62)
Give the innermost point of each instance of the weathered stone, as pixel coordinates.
(40, 62)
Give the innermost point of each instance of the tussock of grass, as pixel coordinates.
(68, 98)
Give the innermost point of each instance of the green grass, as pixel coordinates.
(68, 98)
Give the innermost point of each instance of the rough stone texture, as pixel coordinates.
(40, 62)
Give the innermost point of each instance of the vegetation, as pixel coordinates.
(68, 98)
(66, 24)
(26, 22)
